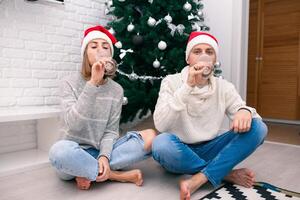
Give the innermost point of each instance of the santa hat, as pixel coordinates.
(200, 38)
(98, 32)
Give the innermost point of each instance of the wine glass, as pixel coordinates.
(207, 61)
(110, 66)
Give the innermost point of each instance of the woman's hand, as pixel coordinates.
(104, 169)
(97, 73)
(195, 75)
(241, 121)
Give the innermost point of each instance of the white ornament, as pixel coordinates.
(150, 1)
(187, 6)
(200, 13)
(125, 100)
(156, 63)
(151, 22)
(130, 27)
(122, 0)
(162, 45)
(109, 3)
(168, 18)
(118, 45)
(112, 31)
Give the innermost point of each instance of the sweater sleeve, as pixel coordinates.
(112, 130)
(234, 102)
(169, 104)
(75, 109)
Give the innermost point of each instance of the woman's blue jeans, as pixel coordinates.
(214, 158)
(70, 160)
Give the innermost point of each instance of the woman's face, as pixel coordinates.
(96, 48)
(198, 50)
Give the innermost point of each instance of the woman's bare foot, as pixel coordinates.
(244, 177)
(133, 176)
(83, 183)
(189, 186)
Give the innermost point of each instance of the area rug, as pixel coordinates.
(260, 191)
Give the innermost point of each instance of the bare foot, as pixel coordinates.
(83, 183)
(133, 176)
(244, 177)
(189, 186)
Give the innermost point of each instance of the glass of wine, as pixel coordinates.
(207, 61)
(110, 65)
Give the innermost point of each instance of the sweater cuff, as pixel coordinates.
(90, 88)
(106, 148)
(248, 109)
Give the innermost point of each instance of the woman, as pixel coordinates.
(189, 113)
(91, 106)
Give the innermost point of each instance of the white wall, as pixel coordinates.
(39, 43)
(228, 21)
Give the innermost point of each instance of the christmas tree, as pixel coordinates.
(152, 37)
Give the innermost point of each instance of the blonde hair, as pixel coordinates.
(86, 67)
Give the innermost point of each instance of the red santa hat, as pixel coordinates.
(97, 32)
(199, 38)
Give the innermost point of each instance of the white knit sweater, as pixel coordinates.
(195, 114)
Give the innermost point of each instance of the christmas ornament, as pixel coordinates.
(187, 6)
(124, 52)
(125, 100)
(122, 0)
(137, 40)
(162, 45)
(109, 3)
(151, 22)
(133, 76)
(200, 13)
(130, 27)
(168, 18)
(150, 1)
(112, 31)
(156, 63)
(118, 45)
(179, 28)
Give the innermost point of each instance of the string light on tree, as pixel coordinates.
(162, 45)
(130, 27)
(187, 7)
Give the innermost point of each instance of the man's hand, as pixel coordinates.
(241, 121)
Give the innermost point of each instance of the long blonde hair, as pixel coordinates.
(86, 68)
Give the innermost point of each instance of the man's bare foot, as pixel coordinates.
(244, 177)
(83, 183)
(133, 176)
(189, 186)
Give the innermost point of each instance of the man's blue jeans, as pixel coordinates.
(70, 160)
(215, 158)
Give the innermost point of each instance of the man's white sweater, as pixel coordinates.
(195, 114)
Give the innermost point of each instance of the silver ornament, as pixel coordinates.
(156, 63)
(133, 76)
(168, 18)
(200, 13)
(162, 45)
(122, 0)
(130, 27)
(125, 100)
(151, 21)
(118, 45)
(109, 3)
(187, 6)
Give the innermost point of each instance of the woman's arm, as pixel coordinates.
(76, 110)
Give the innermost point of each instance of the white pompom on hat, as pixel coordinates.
(201, 38)
(97, 32)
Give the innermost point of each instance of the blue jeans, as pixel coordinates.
(70, 160)
(214, 158)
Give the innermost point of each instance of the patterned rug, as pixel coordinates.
(260, 191)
